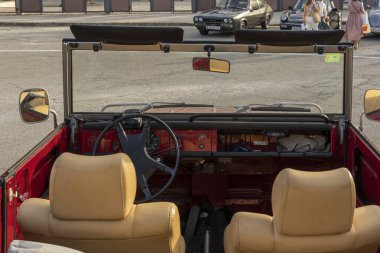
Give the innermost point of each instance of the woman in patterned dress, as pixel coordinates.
(354, 22)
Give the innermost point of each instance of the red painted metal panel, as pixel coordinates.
(10, 212)
(31, 178)
(364, 162)
(190, 140)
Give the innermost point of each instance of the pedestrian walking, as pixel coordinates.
(310, 10)
(354, 22)
(324, 16)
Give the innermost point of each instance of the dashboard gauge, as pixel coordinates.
(152, 143)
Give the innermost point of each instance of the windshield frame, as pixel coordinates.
(70, 45)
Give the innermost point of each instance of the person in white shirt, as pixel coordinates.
(322, 10)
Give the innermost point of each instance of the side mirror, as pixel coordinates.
(211, 65)
(34, 105)
(290, 8)
(334, 9)
(372, 105)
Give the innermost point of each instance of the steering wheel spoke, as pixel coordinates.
(143, 184)
(145, 131)
(123, 138)
(134, 145)
(160, 166)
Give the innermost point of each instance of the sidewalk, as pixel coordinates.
(95, 15)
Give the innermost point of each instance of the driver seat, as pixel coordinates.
(91, 209)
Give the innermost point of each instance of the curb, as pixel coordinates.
(66, 24)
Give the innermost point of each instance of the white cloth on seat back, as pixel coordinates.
(19, 246)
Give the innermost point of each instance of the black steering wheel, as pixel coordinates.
(134, 147)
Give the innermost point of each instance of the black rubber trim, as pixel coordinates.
(247, 154)
(257, 154)
(127, 35)
(235, 125)
(271, 154)
(288, 38)
(195, 154)
(263, 115)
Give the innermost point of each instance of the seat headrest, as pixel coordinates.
(92, 187)
(313, 203)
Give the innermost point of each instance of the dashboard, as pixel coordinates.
(158, 142)
(219, 143)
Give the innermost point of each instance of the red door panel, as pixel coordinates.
(29, 177)
(364, 163)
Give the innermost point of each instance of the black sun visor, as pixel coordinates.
(128, 35)
(288, 38)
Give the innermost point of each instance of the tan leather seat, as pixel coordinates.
(91, 209)
(312, 212)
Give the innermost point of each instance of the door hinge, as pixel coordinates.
(12, 194)
(16, 194)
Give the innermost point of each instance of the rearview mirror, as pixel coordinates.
(211, 65)
(34, 105)
(372, 104)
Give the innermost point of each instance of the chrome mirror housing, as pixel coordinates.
(34, 105)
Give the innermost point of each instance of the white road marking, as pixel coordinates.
(367, 57)
(28, 51)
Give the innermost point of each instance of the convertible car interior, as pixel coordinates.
(195, 177)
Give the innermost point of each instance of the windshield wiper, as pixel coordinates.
(280, 107)
(169, 104)
(147, 106)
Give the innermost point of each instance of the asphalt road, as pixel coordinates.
(31, 57)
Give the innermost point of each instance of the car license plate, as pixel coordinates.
(375, 29)
(294, 28)
(212, 27)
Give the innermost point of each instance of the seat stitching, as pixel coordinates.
(238, 233)
(133, 220)
(122, 190)
(54, 185)
(169, 237)
(50, 234)
(286, 198)
(352, 194)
